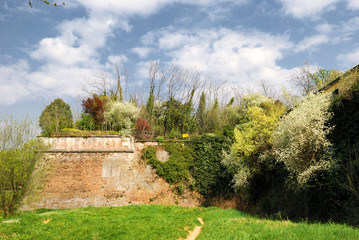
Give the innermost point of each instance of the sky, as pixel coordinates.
(51, 52)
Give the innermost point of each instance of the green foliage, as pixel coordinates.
(56, 116)
(345, 117)
(300, 141)
(150, 105)
(199, 161)
(121, 116)
(173, 115)
(188, 123)
(322, 77)
(252, 138)
(201, 117)
(345, 139)
(211, 177)
(176, 169)
(86, 122)
(213, 118)
(18, 154)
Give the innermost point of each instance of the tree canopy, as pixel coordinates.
(56, 116)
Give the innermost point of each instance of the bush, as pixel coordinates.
(86, 122)
(142, 128)
(93, 109)
(300, 141)
(121, 116)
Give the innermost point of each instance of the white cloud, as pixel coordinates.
(142, 52)
(310, 43)
(325, 28)
(140, 7)
(350, 59)
(19, 84)
(171, 40)
(307, 8)
(353, 4)
(314, 9)
(239, 57)
(60, 51)
(329, 34)
(13, 87)
(146, 7)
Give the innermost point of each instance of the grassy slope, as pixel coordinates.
(160, 222)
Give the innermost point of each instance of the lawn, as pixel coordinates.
(160, 222)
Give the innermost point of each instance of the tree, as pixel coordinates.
(213, 118)
(95, 107)
(252, 138)
(19, 150)
(56, 116)
(308, 80)
(201, 113)
(322, 77)
(303, 79)
(188, 123)
(172, 116)
(300, 141)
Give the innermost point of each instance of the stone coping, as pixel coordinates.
(109, 136)
(89, 151)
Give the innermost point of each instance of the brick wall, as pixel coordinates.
(95, 171)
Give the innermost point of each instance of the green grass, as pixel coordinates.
(160, 222)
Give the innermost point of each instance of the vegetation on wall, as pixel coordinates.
(211, 177)
(176, 169)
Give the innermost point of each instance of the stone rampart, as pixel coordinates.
(98, 171)
(90, 144)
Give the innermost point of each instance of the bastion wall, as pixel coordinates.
(98, 171)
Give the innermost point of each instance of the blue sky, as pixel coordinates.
(49, 52)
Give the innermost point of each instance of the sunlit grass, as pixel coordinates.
(160, 222)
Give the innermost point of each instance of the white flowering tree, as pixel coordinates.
(300, 141)
(121, 116)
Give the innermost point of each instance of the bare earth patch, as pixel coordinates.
(195, 232)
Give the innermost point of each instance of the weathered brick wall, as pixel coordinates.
(80, 172)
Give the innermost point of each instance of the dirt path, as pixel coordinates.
(196, 231)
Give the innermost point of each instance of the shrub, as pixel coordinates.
(300, 141)
(142, 128)
(121, 116)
